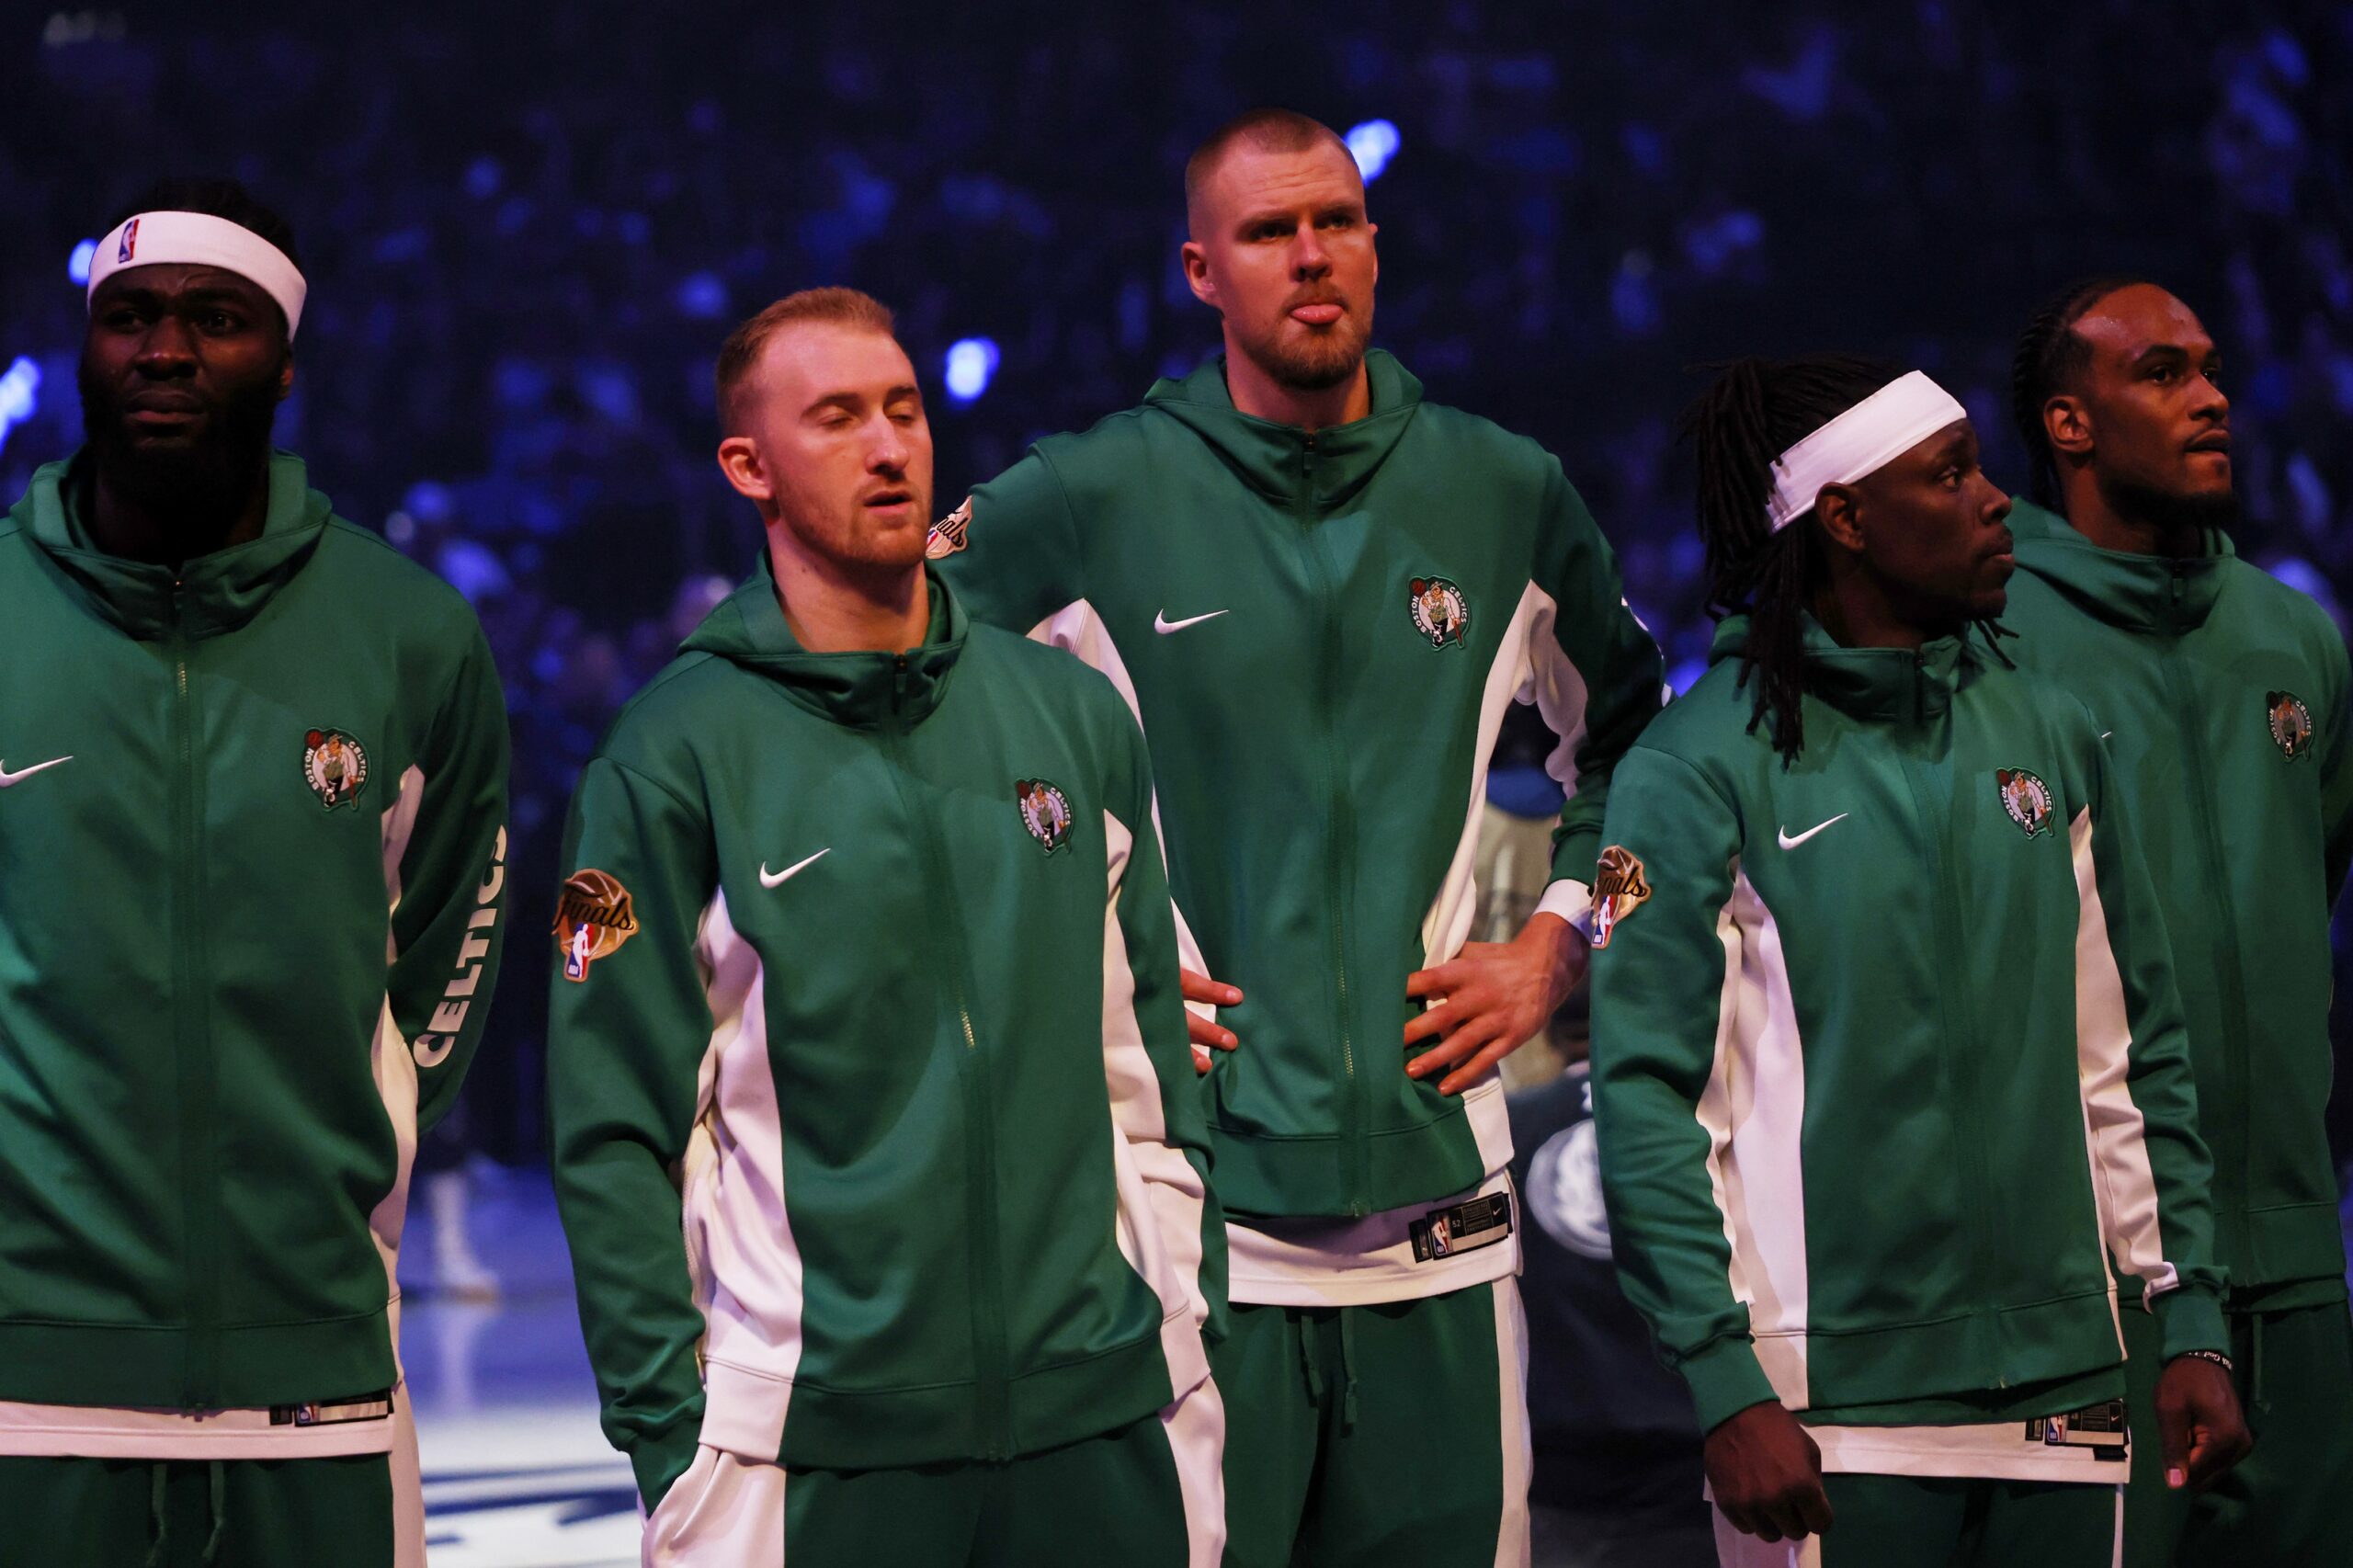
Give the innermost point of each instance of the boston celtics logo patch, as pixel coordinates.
(335, 766)
(2025, 797)
(1045, 812)
(2291, 723)
(1619, 889)
(1440, 612)
(594, 915)
(949, 534)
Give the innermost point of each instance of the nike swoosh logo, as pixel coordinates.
(1162, 624)
(1790, 843)
(778, 879)
(22, 774)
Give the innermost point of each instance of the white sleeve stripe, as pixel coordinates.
(2114, 1127)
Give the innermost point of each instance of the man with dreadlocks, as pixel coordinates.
(1866, 1186)
(2226, 695)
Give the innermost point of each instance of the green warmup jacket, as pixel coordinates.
(1886, 1046)
(875, 1140)
(1320, 634)
(251, 858)
(2230, 709)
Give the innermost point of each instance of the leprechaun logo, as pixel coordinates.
(335, 766)
(2025, 797)
(1440, 612)
(1619, 888)
(2291, 723)
(1045, 812)
(594, 915)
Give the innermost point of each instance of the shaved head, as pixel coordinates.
(1262, 131)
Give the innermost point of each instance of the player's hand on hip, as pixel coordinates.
(1766, 1474)
(2199, 1423)
(1207, 1034)
(1491, 998)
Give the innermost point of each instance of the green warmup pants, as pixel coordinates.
(83, 1512)
(2289, 1503)
(1144, 1496)
(1392, 1435)
(1901, 1521)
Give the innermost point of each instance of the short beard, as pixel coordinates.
(203, 481)
(2172, 514)
(1318, 364)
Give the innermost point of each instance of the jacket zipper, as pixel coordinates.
(1933, 798)
(2233, 981)
(993, 1420)
(1339, 838)
(192, 1042)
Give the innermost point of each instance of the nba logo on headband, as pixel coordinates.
(130, 240)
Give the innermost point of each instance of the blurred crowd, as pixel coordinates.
(525, 240)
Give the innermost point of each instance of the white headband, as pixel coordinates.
(1864, 439)
(199, 239)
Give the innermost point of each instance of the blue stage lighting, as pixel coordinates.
(971, 362)
(20, 394)
(77, 266)
(1372, 144)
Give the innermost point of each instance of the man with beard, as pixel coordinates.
(2225, 698)
(253, 780)
(1320, 593)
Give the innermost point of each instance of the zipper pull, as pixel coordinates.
(898, 682)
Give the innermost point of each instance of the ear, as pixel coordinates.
(285, 375)
(2067, 425)
(1197, 274)
(739, 460)
(1839, 510)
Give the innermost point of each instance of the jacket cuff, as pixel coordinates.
(2189, 1317)
(659, 1459)
(1572, 901)
(1725, 1379)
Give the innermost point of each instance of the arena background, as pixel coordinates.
(526, 231)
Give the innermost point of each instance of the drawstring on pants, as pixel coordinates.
(159, 1477)
(219, 1479)
(162, 1524)
(1310, 1338)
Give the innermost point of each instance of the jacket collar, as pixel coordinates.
(1269, 456)
(1883, 686)
(214, 594)
(2139, 593)
(859, 690)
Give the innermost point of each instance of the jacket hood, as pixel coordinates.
(2140, 593)
(1268, 457)
(217, 593)
(861, 690)
(1881, 685)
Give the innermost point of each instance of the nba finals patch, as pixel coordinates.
(335, 766)
(1045, 812)
(593, 918)
(947, 535)
(1440, 612)
(1619, 889)
(2025, 797)
(2291, 723)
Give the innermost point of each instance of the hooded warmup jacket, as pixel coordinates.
(2228, 704)
(1321, 631)
(252, 856)
(1889, 1067)
(875, 1140)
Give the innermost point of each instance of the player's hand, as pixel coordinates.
(1492, 998)
(1766, 1474)
(2199, 1423)
(1207, 1035)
